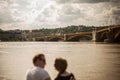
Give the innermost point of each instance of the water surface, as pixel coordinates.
(88, 61)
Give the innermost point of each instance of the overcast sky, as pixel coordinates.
(37, 14)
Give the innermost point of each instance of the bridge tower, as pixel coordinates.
(65, 38)
(94, 34)
(110, 35)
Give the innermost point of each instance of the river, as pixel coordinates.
(87, 61)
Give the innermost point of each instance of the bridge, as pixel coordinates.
(67, 37)
(111, 33)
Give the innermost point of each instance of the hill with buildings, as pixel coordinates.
(27, 35)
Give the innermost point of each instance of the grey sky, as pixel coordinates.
(37, 14)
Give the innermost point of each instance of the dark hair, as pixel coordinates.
(36, 57)
(61, 65)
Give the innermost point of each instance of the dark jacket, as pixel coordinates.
(68, 77)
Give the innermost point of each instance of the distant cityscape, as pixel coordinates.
(29, 35)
